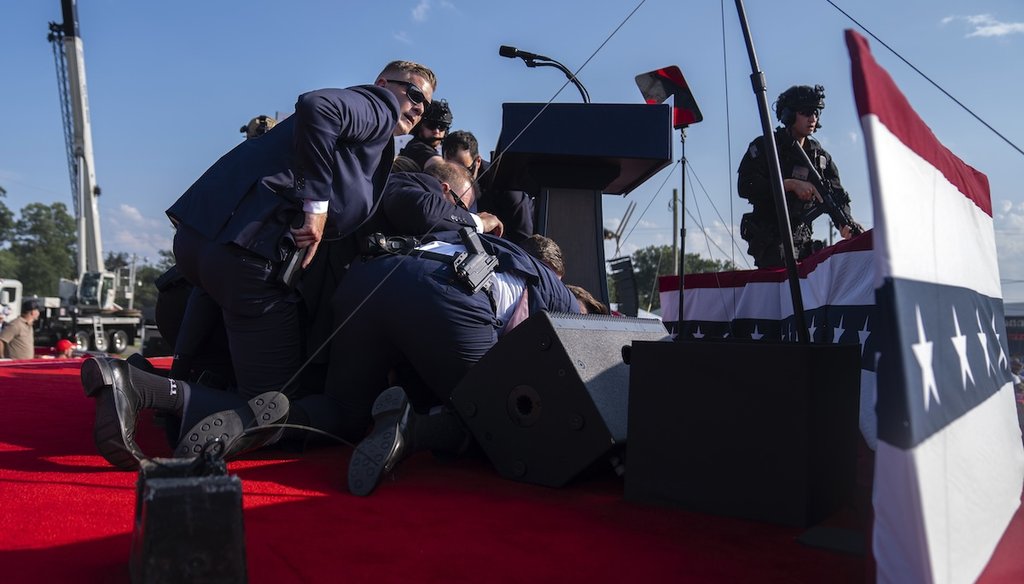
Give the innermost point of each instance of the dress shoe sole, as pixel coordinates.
(230, 427)
(369, 459)
(107, 431)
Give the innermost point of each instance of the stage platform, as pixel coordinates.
(67, 516)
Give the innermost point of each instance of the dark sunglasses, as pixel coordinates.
(811, 112)
(458, 200)
(435, 125)
(414, 93)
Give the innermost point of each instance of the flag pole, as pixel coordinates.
(775, 177)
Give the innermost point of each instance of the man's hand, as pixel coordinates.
(847, 230)
(492, 224)
(804, 190)
(310, 234)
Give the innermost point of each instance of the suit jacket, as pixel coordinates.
(514, 208)
(413, 203)
(337, 147)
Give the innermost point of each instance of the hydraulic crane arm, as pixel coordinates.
(68, 53)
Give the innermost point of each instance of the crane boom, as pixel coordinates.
(78, 135)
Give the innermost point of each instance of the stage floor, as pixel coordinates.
(68, 516)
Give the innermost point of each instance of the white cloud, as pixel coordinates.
(127, 230)
(985, 25)
(419, 12)
(130, 213)
(402, 37)
(854, 137)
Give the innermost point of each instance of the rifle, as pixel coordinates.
(830, 203)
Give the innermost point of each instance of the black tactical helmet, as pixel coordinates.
(258, 126)
(796, 99)
(439, 113)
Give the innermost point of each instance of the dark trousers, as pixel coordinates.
(260, 316)
(417, 318)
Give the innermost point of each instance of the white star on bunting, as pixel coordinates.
(999, 343)
(983, 339)
(863, 334)
(960, 344)
(838, 332)
(923, 351)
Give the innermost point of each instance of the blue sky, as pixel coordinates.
(170, 84)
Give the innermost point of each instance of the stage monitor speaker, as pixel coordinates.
(759, 430)
(549, 399)
(188, 523)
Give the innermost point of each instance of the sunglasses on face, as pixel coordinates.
(412, 91)
(436, 126)
(811, 112)
(458, 199)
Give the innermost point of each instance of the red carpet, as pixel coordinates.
(67, 516)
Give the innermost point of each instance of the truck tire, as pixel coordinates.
(82, 340)
(99, 343)
(118, 341)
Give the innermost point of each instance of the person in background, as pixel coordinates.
(428, 134)
(588, 304)
(64, 349)
(799, 110)
(514, 208)
(17, 339)
(258, 126)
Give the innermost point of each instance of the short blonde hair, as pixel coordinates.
(410, 67)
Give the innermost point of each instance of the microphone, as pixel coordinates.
(512, 53)
(535, 60)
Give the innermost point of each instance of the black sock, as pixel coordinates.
(158, 393)
(441, 432)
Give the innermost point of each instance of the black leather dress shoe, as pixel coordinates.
(241, 429)
(117, 410)
(387, 444)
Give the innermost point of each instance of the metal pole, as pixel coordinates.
(675, 230)
(775, 175)
(681, 259)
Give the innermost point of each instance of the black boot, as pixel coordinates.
(121, 392)
(241, 429)
(386, 446)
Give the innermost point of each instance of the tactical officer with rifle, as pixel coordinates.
(809, 175)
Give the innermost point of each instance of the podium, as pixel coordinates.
(567, 155)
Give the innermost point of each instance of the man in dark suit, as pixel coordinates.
(514, 208)
(437, 332)
(316, 175)
(417, 203)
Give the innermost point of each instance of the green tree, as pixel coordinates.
(8, 261)
(44, 244)
(6, 220)
(657, 260)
